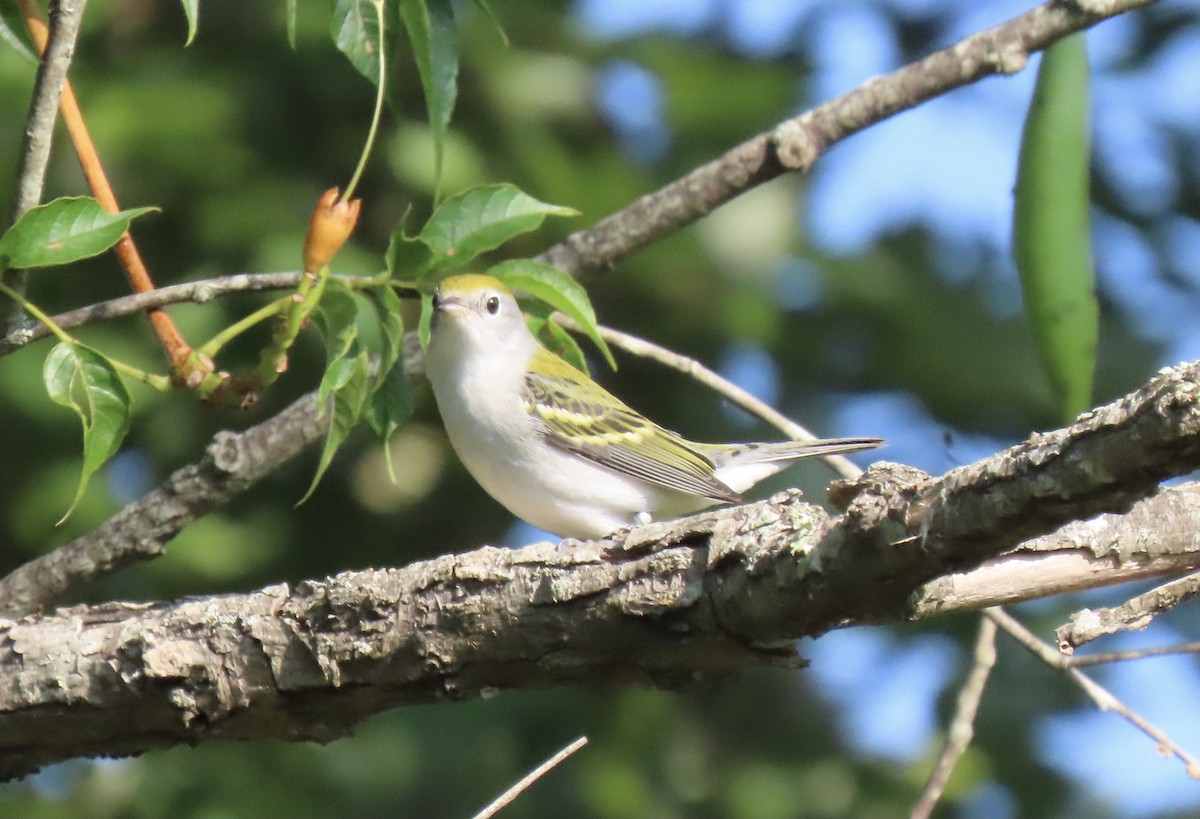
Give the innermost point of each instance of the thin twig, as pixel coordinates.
(1078, 661)
(537, 773)
(1135, 613)
(962, 727)
(1103, 698)
(693, 368)
(65, 18)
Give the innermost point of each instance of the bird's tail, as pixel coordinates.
(794, 450)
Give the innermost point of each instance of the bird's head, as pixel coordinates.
(475, 312)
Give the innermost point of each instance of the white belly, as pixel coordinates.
(553, 489)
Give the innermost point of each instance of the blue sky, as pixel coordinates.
(949, 166)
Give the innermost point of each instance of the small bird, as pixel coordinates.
(558, 450)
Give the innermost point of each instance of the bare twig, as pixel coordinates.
(65, 18)
(1079, 661)
(962, 727)
(1103, 698)
(1136, 613)
(506, 798)
(693, 368)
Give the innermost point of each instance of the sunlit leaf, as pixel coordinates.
(431, 31)
(63, 231)
(1051, 229)
(479, 220)
(346, 382)
(557, 289)
(84, 380)
(191, 8)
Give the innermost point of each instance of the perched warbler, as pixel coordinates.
(556, 448)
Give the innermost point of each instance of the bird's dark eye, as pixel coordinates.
(492, 305)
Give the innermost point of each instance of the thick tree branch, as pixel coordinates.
(661, 605)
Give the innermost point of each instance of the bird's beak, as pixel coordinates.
(449, 305)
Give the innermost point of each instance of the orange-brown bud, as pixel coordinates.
(331, 224)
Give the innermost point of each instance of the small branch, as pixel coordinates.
(198, 292)
(58, 45)
(962, 727)
(722, 386)
(1080, 661)
(1155, 538)
(1101, 696)
(796, 144)
(537, 773)
(1135, 613)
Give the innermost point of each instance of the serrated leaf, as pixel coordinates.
(191, 8)
(337, 318)
(355, 30)
(565, 345)
(346, 381)
(425, 320)
(557, 289)
(82, 379)
(63, 231)
(10, 24)
(1051, 225)
(479, 220)
(289, 11)
(431, 31)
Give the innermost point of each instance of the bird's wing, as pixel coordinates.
(578, 415)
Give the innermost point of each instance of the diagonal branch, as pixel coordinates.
(796, 145)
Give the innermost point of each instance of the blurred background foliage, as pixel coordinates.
(875, 297)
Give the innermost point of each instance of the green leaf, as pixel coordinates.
(407, 256)
(479, 220)
(391, 403)
(490, 13)
(564, 344)
(84, 380)
(391, 326)
(557, 289)
(289, 10)
(63, 231)
(355, 31)
(425, 320)
(191, 8)
(430, 25)
(346, 380)
(10, 24)
(1051, 228)
(337, 318)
